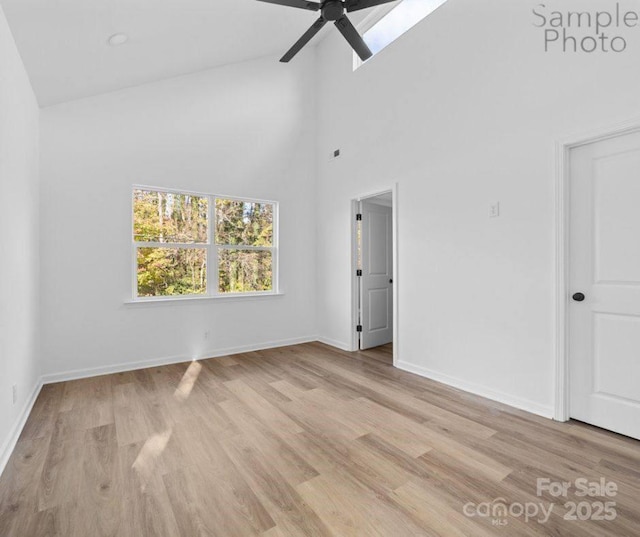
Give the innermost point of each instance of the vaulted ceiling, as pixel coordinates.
(63, 43)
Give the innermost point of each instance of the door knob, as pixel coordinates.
(579, 297)
(391, 280)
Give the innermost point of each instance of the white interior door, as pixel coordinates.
(604, 339)
(376, 291)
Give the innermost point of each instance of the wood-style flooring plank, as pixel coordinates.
(280, 499)
(61, 475)
(299, 441)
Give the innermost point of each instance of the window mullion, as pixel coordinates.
(275, 250)
(134, 270)
(243, 247)
(212, 255)
(171, 245)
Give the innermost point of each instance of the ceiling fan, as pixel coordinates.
(334, 11)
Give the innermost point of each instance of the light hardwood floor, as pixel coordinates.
(298, 441)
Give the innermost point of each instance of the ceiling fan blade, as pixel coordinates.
(308, 35)
(356, 5)
(302, 4)
(353, 37)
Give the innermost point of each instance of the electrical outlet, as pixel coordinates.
(207, 334)
(15, 393)
(494, 209)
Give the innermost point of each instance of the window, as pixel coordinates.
(386, 25)
(202, 245)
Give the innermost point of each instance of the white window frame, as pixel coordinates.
(369, 22)
(376, 16)
(210, 246)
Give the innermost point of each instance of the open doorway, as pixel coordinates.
(374, 321)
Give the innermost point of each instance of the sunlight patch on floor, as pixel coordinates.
(188, 381)
(149, 456)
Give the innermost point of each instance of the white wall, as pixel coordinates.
(243, 130)
(18, 239)
(461, 111)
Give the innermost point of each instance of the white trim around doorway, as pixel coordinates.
(562, 411)
(354, 263)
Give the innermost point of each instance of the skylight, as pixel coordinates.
(396, 22)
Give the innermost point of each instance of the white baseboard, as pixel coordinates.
(261, 346)
(10, 443)
(168, 360)
(482, 391)
(7, 449)
(334, 343)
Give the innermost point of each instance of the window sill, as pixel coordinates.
(187, 299)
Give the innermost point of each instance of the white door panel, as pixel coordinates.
(376, 282)
(617, 218)
(376, 220)
(378, 309)
(604, 339)
(616, 364)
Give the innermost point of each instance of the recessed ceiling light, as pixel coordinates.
(118, 39)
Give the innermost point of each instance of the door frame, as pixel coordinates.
(354, 263)
(562, 411)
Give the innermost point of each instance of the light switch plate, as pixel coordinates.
(494, 209)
